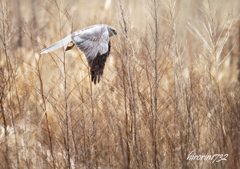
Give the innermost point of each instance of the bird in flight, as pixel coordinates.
(94, 42)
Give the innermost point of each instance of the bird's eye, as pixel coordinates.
(114, 31)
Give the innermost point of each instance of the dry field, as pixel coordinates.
(170, 88)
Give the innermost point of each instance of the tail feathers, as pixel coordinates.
(58, 44)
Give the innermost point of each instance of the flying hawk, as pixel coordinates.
(94, 42)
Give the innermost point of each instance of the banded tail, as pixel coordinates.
(58, 44)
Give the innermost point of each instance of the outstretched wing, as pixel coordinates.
(91, 41)
(98, 64)
(94, 43)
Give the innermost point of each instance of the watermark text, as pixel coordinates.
(214, 158)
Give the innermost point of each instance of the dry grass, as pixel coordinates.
(170, 86)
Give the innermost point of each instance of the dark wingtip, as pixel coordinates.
(95, 79)
(97, 65)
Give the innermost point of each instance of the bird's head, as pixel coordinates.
(112, 31)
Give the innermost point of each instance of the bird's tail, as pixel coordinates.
(58, 44)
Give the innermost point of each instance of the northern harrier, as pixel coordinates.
(94, 42)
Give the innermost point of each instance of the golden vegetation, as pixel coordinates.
(170, 85)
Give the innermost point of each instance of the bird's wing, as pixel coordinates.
(94, 43)
(58, 44)
(98, 64)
